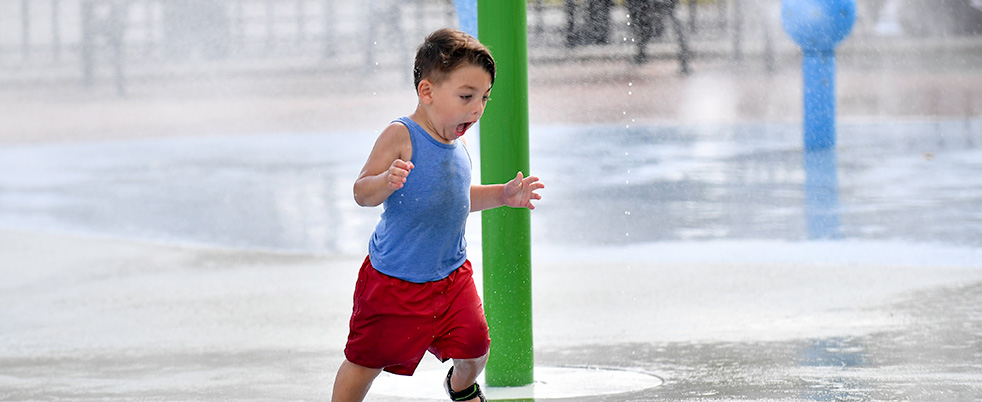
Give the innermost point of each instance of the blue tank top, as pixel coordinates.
(420, 236)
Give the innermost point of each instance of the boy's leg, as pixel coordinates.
(465, 372)
(353, 382)
(464, 333)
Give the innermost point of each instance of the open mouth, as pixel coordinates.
(461, 128)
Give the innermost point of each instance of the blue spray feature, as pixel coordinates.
(818, 26)
(467, 16)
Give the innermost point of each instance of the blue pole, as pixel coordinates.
(467, 16)
(818, 26)
(818, 73)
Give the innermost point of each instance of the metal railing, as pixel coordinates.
(76, 40)
(87, 41)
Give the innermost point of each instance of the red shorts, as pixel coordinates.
(394, 322)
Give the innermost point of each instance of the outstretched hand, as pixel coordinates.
(520, 191)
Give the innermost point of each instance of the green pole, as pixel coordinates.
(501, 26)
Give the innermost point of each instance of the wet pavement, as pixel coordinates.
(99, 319)
(681, 252)
(935, 356)
(911, 181)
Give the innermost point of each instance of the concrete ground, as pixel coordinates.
(89, 317)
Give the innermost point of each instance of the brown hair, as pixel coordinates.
(447, 49)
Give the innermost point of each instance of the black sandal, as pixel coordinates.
(467, 394)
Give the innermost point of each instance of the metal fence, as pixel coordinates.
(78, 39)
(89, 41)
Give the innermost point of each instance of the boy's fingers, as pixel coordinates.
(401, 164)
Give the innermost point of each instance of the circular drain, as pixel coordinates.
(550, 383)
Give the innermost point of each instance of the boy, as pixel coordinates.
(415, 290)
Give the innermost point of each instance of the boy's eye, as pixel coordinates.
(466, 97)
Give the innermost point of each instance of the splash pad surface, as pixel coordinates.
(637, 185)
(674, 249)
(550, 383)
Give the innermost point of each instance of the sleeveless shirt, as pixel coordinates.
(420, 236)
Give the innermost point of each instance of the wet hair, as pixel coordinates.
(446, 50)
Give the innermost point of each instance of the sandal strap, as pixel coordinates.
(467, 394)
(471, 392)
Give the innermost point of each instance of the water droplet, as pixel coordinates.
(630, 93)
(624, 112)
(627, 212)
(630, 84)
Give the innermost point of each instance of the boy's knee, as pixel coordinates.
(476, 361)
(471, 366)
(352, 382)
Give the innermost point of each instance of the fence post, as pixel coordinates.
(25, 25)
(87, 47)
(55, 29)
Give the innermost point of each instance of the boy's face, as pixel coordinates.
(458, 102)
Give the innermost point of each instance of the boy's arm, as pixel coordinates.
(517, 193)
(387, 167)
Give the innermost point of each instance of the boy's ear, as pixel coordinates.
(425, 91)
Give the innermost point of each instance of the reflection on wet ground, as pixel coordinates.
(283, 192)
(631, 185)
(913, 181)
(935, 357)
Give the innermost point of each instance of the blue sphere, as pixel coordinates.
(818, 24)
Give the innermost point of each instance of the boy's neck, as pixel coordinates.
(421, 117)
